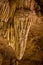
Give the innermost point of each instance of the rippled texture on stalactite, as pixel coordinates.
(23, 4)
(4, 16)
(28, 4)
(22, 24)
(4, 10)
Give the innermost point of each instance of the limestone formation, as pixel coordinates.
(21, 32)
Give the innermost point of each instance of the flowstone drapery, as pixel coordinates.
(17, 21)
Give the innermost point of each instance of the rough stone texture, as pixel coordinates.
(4, 10)
(34, 49)
(28, 4)
(35, 36)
